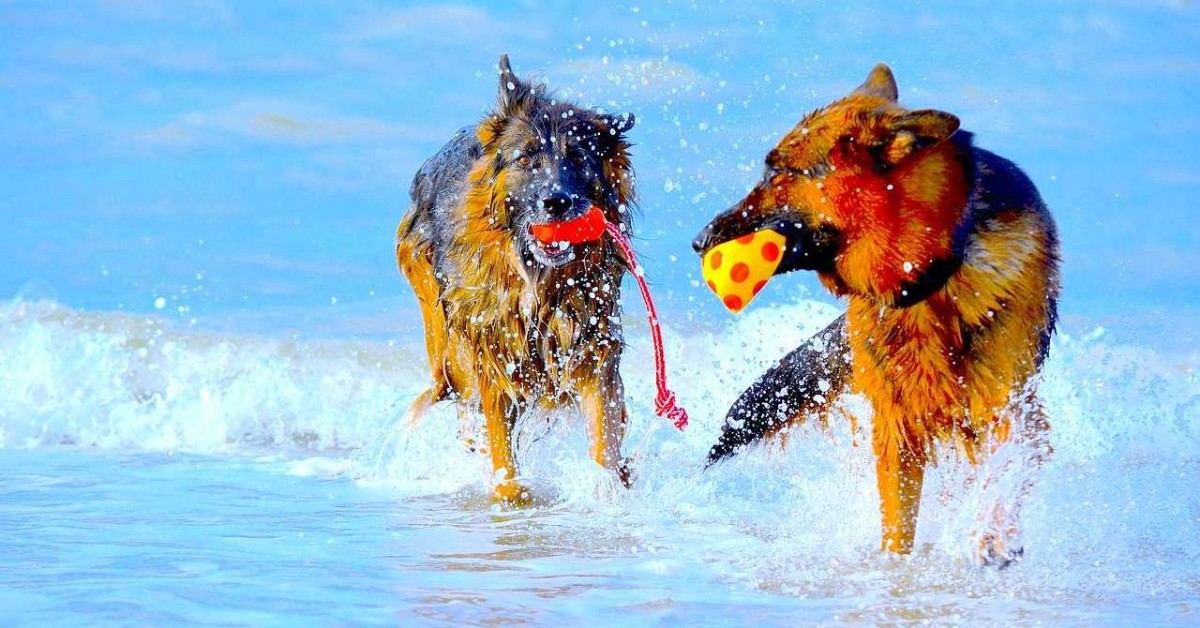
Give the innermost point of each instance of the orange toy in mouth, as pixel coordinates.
(738, 269)
(585, 228)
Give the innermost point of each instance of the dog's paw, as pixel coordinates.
(625, 472)
(997, 549)
(511, 494)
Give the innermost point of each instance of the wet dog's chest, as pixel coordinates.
(556, 355)
(923, 367)
(914, 359)
(543, 352)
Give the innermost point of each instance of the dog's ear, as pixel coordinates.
(619, 123)
(880, 83)
(513, 93)
(914, 130)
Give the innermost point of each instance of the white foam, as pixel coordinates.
(124, 381)
(1126, 433)
(120, 380)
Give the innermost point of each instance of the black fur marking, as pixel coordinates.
(437, 187)
(787, 389)
(933, 279)
(807, 248)
(1000, 185)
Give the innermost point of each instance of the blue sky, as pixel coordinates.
(248, 161)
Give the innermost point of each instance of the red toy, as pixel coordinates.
(585, 228)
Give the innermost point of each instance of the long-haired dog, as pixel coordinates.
(511, 324)
(949, 262)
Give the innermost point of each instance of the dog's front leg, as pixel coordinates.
(900, 472)
(997, 541)
(500, 413)
(602, 403)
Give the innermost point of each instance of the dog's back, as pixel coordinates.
(1006, 211)
(437, 189)
(1006, 220)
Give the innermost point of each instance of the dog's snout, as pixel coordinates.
(556, 204)
(701, 241)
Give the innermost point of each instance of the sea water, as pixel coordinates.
(153, 475)
(203, 381)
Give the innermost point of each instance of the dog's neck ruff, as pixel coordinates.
(938, 273)
(665, 403)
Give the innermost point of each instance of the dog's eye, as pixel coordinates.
(524, 161)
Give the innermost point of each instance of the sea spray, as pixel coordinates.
(792, 519)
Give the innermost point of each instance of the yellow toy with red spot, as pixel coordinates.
(949, 261)
(738, 269)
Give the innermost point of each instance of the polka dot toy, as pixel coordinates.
(738, 269)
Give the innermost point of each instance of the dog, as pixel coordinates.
(948, 259)
(513, 325)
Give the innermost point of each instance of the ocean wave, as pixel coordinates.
(117, 380)
(1125, 432)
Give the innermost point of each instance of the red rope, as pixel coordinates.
(665, 403)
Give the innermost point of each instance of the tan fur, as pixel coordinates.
(507, 336)
(900, 191)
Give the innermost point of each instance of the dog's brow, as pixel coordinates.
(816, 171)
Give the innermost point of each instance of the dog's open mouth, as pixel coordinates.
(550, 254)
(560, 249)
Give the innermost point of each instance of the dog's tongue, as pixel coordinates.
(585, 228)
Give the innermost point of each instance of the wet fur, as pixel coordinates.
(948, 259)
(506, 331)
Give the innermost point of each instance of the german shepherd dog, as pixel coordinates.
(513, 325)
(949, 261)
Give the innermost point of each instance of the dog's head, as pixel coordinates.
(865, 192)
(548, 160)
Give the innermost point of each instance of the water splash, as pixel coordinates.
(1112, 515)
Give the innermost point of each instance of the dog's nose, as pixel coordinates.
(702, 239)
(556, 204)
